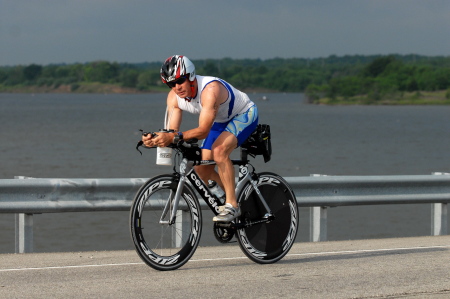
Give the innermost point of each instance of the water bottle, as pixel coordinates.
(164, 154)
(216, 191)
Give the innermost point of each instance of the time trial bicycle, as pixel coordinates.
(166, 216)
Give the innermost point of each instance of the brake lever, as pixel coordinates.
(141, 143)
(146, 133)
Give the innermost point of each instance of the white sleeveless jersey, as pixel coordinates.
(236, 103)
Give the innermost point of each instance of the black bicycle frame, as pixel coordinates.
(204, 191)
(212, 202)
(188, 173)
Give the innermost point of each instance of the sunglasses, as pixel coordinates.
(181, 80)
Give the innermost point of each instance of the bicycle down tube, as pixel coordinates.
(187, 172)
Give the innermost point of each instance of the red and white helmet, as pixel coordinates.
(175, 67)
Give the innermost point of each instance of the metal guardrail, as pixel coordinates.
(335, 191)
(36, 195)
(28, 196)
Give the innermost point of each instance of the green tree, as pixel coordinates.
(32, 71)
(15, 76)
(76, 71)
(378, 66)
(315, 92)
(129, 77)
(3, 75)
(101, 71)
(210, 69)
(148, 79)
(49, 71)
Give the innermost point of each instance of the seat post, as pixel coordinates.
(244, 154)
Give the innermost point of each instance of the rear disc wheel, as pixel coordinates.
(270, 241)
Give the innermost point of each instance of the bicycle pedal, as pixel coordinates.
(268, 217)
(223, 224)
(223, 234)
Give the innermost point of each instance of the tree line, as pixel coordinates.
(347, 76)
(385, 78)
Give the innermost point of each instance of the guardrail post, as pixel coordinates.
(318, 224)
(439, 219)
(439, 225)
(318, 221)
(24, 233)
(24, 230)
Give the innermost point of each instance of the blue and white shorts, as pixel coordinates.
(241, 126)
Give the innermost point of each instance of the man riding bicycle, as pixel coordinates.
(227, 118)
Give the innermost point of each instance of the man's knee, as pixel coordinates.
(220, 153)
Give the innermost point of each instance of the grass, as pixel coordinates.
(441, 97)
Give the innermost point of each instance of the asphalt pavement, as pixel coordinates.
(385, 268)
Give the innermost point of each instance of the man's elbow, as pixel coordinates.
(202, 134)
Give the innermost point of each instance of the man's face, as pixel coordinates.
(183, 90)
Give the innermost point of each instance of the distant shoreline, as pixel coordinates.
(101, 88)
(413, 98)
(440, 97)
(81, 88)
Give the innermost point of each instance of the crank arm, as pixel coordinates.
(233, 225)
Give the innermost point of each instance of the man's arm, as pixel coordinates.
(175, 113)
(174, 118)
(212, 96)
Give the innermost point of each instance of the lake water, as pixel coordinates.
(94, 136)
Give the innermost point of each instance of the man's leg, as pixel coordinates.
(208, 172)
(236, 132)
(221, 151)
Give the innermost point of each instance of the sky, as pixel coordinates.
(78, 31)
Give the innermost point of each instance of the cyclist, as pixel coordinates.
(227, 117)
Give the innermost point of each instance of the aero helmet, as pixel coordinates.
(175, 67)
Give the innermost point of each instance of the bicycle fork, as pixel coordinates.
(174, 198)
(172, 205)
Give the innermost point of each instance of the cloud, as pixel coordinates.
(51, 31)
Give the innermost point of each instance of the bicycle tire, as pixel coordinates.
(268, 242)
(163, 246)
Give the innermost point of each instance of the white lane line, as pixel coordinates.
(237, 258)
(336, 252)
(370, 250)
(68, 267)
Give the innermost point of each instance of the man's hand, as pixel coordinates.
(148, 140)
(162, 139)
